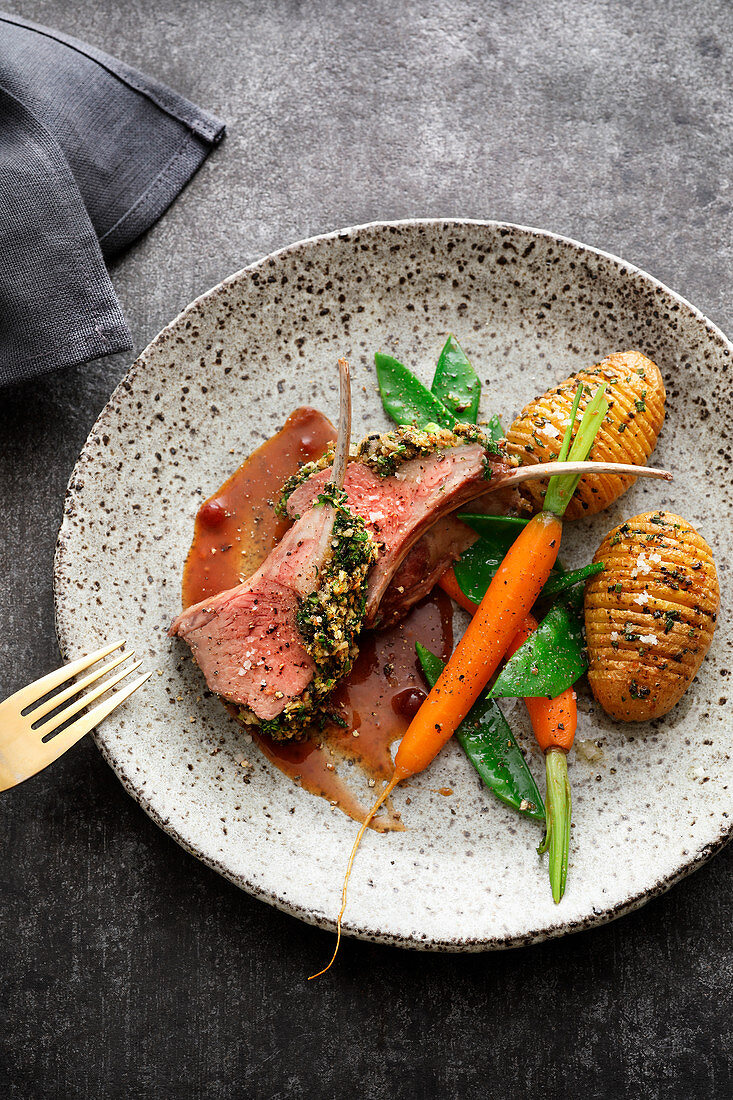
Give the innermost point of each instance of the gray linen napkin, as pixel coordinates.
(92, 152)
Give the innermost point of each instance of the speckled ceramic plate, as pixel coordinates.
(529, 307)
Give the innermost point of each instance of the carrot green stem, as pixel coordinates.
(562, 486)
(567, 438)
(558, 805)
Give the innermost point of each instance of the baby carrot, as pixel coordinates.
(509, 597)
(554, 722)
(450, 585)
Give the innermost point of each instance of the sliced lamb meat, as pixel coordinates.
(401, 498)
(278, 644)
(423, 567)
(246, 640)
(435, 552)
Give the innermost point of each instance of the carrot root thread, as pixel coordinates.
(396, 778)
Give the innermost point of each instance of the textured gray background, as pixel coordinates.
(128, 970)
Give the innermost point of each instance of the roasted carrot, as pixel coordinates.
(517, 584)
(554, 722)
(508, 599)
(450, 585)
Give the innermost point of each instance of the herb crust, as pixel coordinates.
(329, 620)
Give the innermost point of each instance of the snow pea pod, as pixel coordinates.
(490, 525)
(561, 583)
(477, 565)
(456, 383)
(549, 661)
(405, 398)
(494, 429)
(488, 742)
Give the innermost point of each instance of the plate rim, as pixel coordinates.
(459, 944)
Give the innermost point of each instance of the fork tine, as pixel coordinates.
(39, 688)
(68, 712)
(57, 746)
(56, 700)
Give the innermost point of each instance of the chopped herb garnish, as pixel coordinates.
(670, 618)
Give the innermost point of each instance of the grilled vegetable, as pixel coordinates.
(650, 615)
(635, 394)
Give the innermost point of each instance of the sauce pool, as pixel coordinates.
(234, 531)
(236, 528)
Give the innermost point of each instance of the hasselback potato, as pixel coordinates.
(650, 616)
(635, 393)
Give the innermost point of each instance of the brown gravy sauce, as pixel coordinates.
(234, 532)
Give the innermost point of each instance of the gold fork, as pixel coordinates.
(24, 748)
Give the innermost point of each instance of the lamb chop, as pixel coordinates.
(277, 644)
(404, 484)
(435, 552)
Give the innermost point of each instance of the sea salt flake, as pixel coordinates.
(641, 599)
(648, 639)
(642, 565)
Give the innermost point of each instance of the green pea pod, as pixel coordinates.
(456, 383)
(490, 525)
(405, 398)
(556, 585)
(574, 599)
(494, 429)
(477, 565)
(488, 742)
(548, 662)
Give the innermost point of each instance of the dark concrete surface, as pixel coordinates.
(129, 970)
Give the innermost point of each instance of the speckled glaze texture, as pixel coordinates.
(650, 802)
